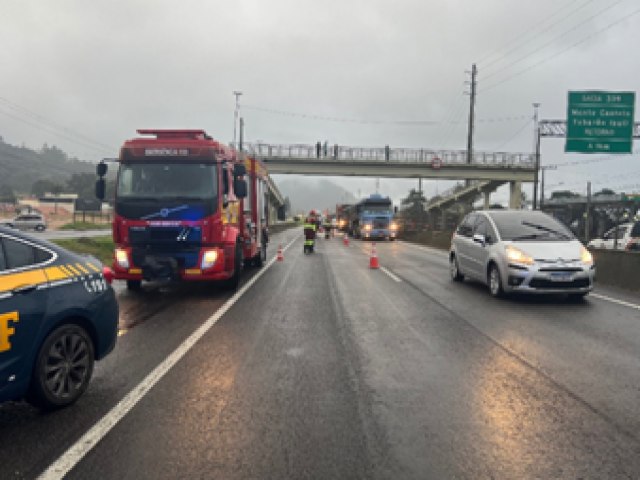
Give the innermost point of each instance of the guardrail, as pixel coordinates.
(398, 155)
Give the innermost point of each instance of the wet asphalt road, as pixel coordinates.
(327, 369)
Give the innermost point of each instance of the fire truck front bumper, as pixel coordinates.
(211, 264)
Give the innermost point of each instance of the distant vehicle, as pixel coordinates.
(27, 221)
(183, 212)
(343, 215)
(520, 251)
(58, 314)
(372, 218)
(627, 235)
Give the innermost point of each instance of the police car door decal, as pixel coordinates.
(7, 329)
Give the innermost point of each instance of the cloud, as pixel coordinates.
(103, 69)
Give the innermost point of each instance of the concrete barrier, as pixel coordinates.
(432, 238)
(281, 226)
(618, 268)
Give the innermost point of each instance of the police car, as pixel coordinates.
(58, 314)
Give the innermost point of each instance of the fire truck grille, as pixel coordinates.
(164, 235)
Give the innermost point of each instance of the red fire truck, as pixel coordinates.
(186, 208)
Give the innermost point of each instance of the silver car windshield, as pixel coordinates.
(522, 226)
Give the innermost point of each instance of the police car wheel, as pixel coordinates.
(40, 228)
(63, 368)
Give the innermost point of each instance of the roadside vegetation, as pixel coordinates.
(99, 247)
(82, 226)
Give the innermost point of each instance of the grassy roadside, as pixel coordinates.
(99, 247)
(82, 226)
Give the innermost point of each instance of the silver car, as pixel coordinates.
(520, 251)
(27, 221)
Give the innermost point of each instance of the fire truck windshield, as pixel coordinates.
(376, 207)
(166, 181)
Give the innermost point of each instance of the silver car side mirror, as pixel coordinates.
(479, 238)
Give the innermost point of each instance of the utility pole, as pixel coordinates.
(237, 93)
(536, 106)
(241, 134)
(472, 108)
(587, 214)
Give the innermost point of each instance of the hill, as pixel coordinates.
(21, 167)
(312, 193)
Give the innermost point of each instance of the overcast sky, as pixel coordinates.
(84, 75)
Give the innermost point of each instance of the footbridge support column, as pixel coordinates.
(515, 195)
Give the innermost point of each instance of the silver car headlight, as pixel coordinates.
(586, 257)
(516, 255)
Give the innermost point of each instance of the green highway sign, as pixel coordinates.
(600, 122)
(631, 197)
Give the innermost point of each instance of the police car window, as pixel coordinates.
(18, 254)
(42, 255)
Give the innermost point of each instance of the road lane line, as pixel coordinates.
(390, 274)
(615, 300)
(90, 439)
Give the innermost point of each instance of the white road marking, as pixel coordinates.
(615, 300)
(90, 439)
(392, 275)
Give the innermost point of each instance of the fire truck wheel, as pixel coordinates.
(260, 259)
(134, 285)
(233, 282)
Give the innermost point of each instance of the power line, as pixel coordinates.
(593, 160)
(570, 47)
(408, 123)
(21, 110)
(527, 32)
(553, 40)
(518, 132)
(456, 117)
(61, 135)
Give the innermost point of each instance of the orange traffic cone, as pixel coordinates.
(373, 260)
(345, 240)
(280, 256)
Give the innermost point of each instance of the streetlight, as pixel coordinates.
(237, 93)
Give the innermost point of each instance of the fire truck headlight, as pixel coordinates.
(367, 227)
(394, 226)
(122, 258)
(209, 259)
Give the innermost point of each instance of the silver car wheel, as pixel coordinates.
(495, 285)
(454, 271)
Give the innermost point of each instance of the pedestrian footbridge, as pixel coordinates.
(394, 162)
(486, 171)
